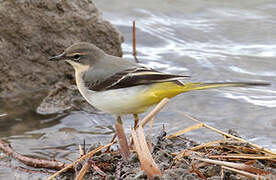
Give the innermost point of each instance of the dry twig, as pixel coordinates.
(144, 155)
(33, 162)
(91, 153)
(153, 113)
(83, 171)
(134, 42)
(243, 156)
(249, 175)
(191, 128)
(235, 165)
(260, 148)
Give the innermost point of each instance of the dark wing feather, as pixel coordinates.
(133, 77)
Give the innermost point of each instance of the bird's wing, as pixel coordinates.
(133, 77)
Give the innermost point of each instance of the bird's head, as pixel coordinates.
(80, 55)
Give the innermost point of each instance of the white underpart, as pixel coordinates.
(116, 102)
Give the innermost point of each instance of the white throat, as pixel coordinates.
(79, 70)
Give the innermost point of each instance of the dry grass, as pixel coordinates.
(232, 153)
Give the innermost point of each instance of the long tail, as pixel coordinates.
(201, 86)
(158, 91)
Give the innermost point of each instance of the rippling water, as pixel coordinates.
(209, 40)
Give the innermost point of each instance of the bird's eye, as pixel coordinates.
(76, 57)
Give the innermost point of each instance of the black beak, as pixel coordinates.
(57, 58)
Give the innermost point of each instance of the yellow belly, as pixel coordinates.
(158, 91)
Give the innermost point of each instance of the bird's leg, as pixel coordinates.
(124, 149)
(136, 120)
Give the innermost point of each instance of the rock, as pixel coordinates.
(31, 31)
(62, 98)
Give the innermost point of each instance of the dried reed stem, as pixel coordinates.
(230, 136)
(134, 42)
(157, 108)
(91, 153)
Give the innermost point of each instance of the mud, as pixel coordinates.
(32, 31)
(115, 167)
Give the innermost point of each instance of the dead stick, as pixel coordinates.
(134, 42)
(145, 158)
(91, 153)
(83, 171)
(33, 162)
(191, 128)
(157, 108)
(249, 175)
(81, 150)
(97, 169)
(234, 165)
(241, 157)
(207, 144)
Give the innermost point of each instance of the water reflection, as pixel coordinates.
(18, 114)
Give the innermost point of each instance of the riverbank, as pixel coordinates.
(162, 157)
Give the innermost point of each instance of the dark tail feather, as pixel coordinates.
(201, 86)
(239, 83)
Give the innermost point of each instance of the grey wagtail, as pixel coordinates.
(118, 86)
